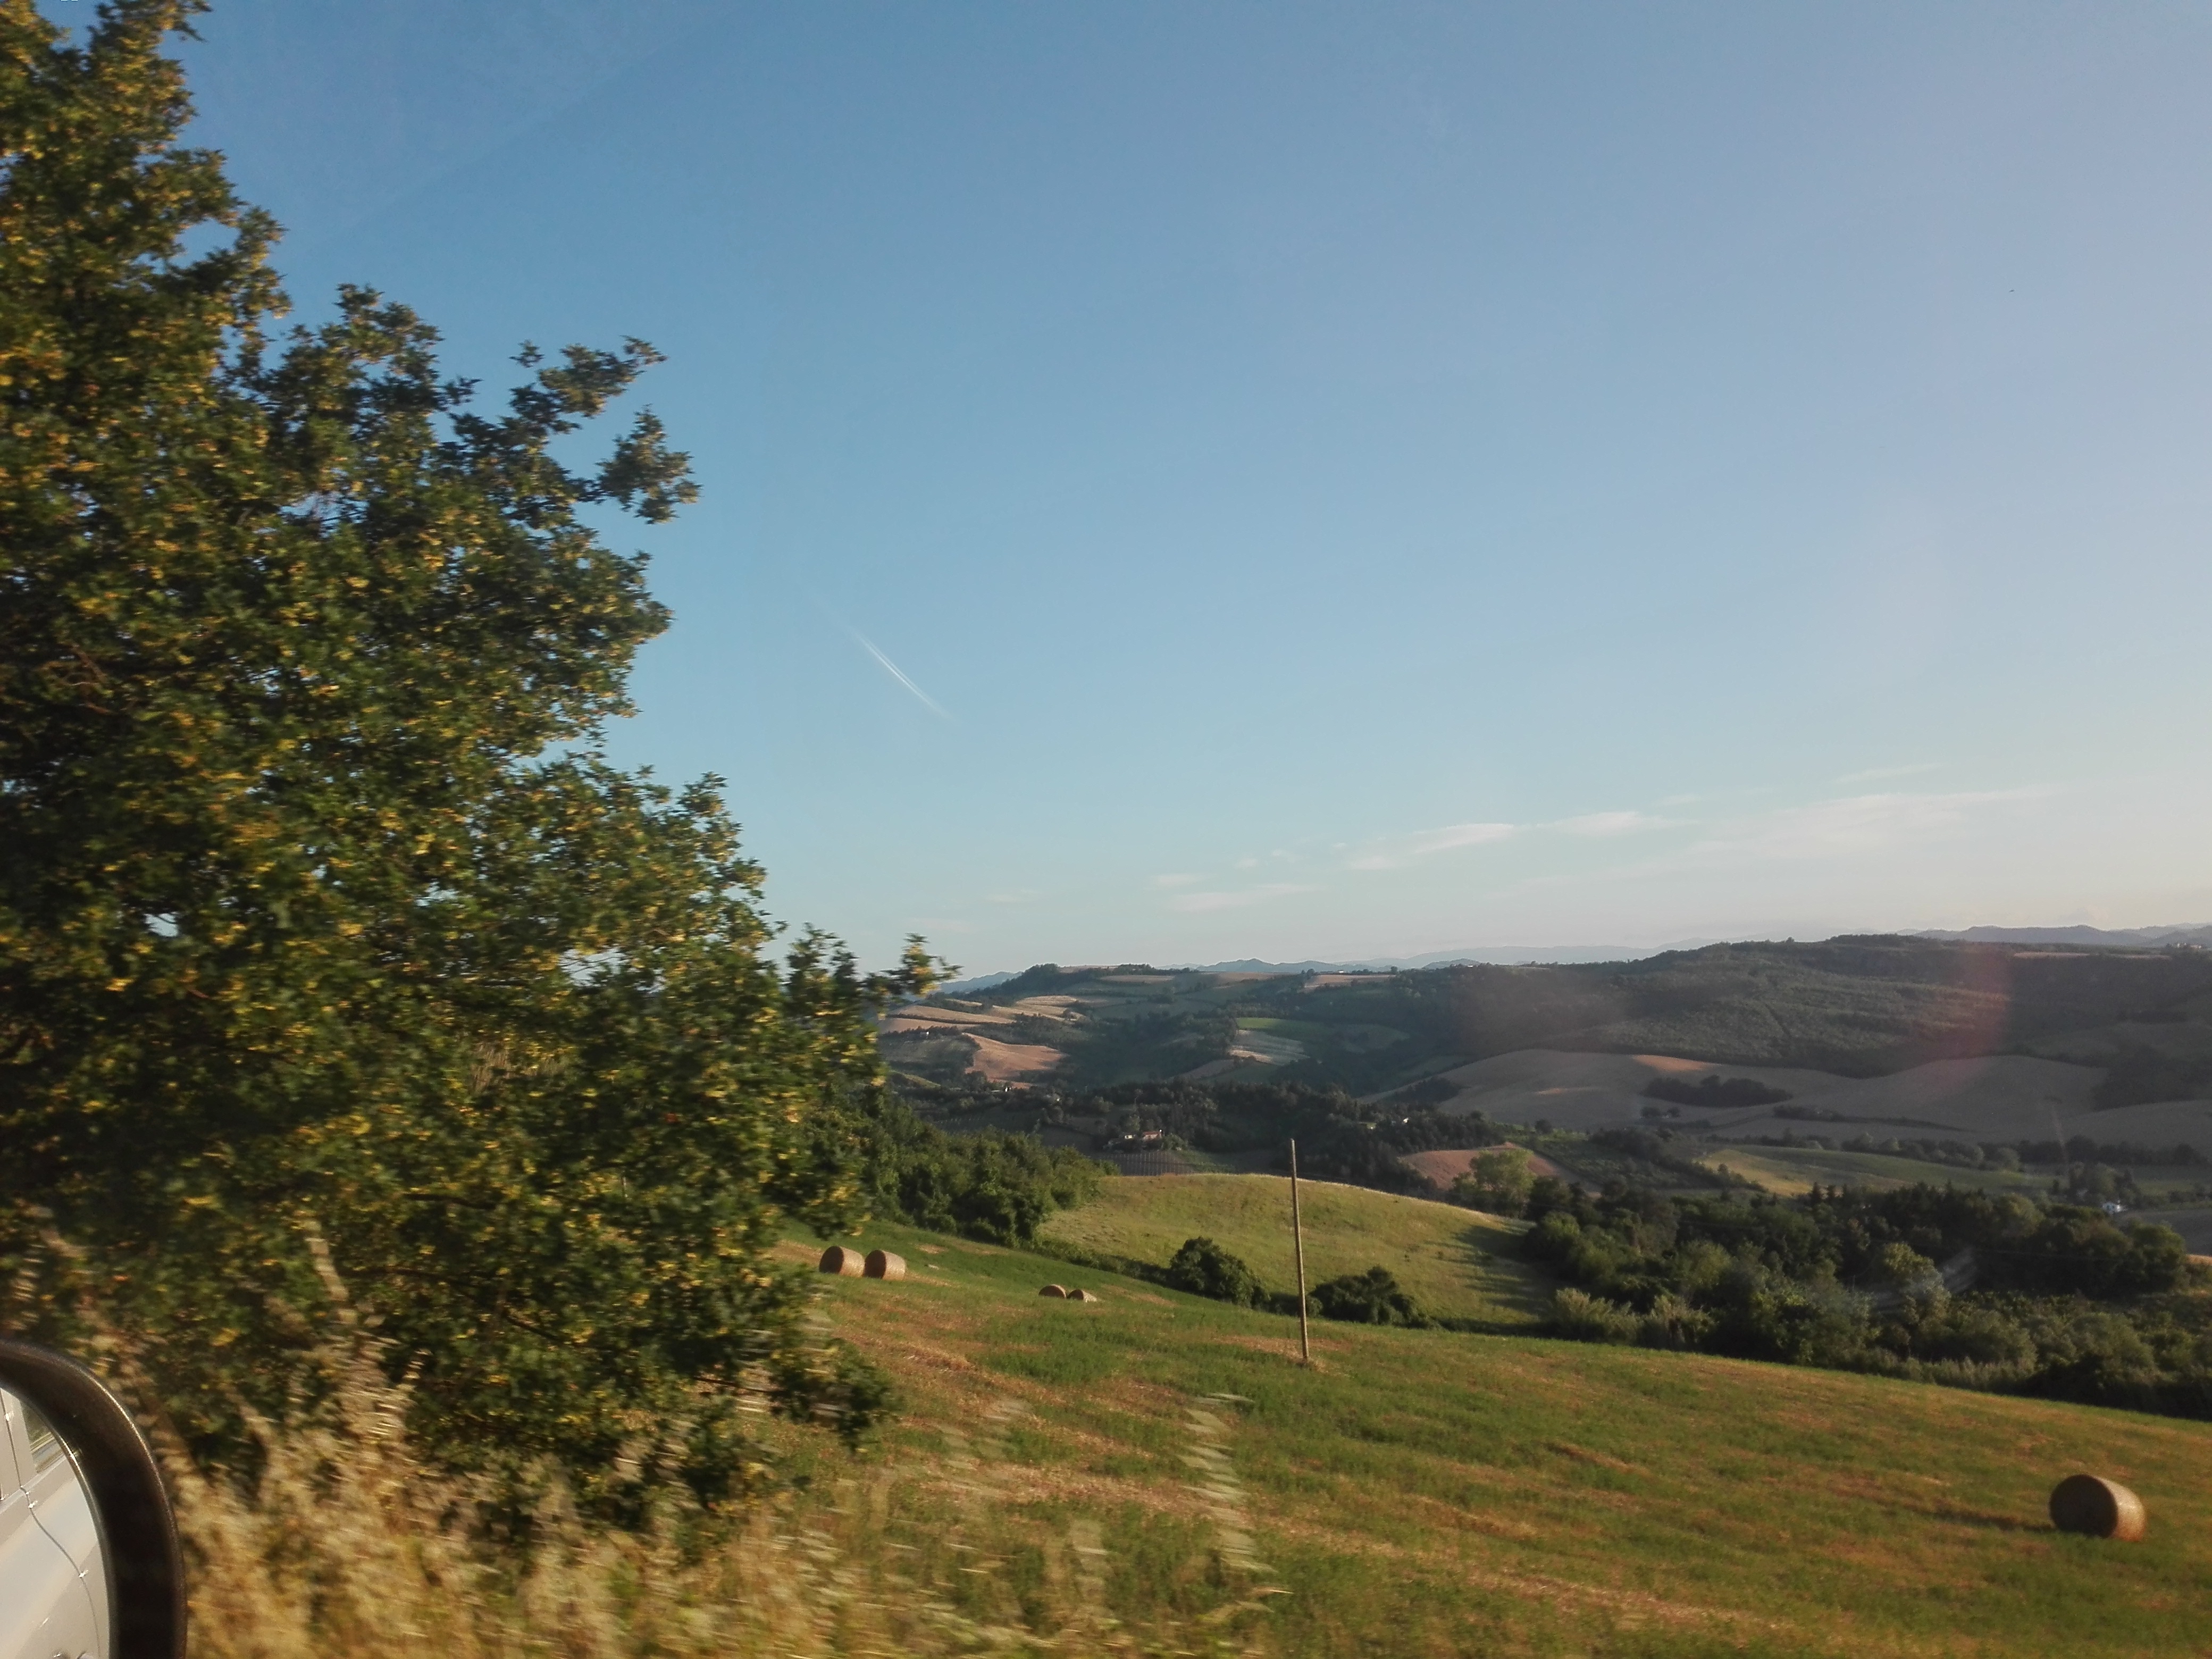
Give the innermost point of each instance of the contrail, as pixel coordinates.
(899, 674)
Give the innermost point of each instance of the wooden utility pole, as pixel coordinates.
(1298, 1251)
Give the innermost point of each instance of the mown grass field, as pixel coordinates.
(1791, 1170)
(1457, 1263)
(1441, 1493)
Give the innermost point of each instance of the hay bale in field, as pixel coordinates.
(1053, 1290)
(882, 1264)
(845, 1263)
(2097, 1508)
(1081, 1295)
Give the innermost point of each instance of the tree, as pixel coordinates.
(325, 927)
(1497, 1179)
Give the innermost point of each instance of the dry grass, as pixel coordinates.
(1009, 1062)
(348, 1545)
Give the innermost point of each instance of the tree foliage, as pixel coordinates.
(990, 1185)
(1205, 1268)
(1950, 1286)
(1497, 1179)
(1374, 1297)
(325, 925)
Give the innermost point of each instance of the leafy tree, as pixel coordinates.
(325, 925)
(1497, 1179)
(989, 1186)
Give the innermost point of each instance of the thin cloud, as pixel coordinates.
(1876, 773)
(1852, 824)
(1613, 824)
(1176, 880)
(899, 675)
(1422, 844)
(1237, 901)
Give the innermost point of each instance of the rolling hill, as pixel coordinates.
(1429, 1492)
(1851, 1007)
(1883, 1038)
(1457, 1263)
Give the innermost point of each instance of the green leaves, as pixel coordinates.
(323, 916)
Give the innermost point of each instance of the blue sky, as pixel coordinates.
(1194, 480)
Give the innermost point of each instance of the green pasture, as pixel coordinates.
(1457, 1263)
(1791, 1170)
(1304, 1030)
(1431, 1493)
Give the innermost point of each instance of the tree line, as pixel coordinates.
(1967, 1288)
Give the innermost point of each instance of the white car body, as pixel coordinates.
(53, 1582)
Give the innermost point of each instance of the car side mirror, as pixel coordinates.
(89, 1566)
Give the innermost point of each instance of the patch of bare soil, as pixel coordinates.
(1211, 1068)
(920, 1017)
(1008, 1062)
(1441, 1167)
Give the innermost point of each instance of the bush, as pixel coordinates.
(1585, 1318)
(1716, 1092)
(1373, 1298)
(1204, 1268)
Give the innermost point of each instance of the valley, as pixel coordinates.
(1880, 1048)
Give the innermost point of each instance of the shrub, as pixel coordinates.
(1204, 1268)
(1715, 1091)
(1373, 1298)
(1586, 1318)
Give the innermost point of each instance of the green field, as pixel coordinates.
(1431, 1493)
(1791, 1170)
(1457, 1263)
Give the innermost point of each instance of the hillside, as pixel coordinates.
(1457, 1263)
(1855, 1008)
(1438, 1494)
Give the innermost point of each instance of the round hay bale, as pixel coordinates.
(2096, 1508)
(1053, 1290)
(1081, 1295)
(845, 1263)
(882, 1264)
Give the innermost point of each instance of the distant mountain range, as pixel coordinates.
(1506, 955)
(1858, 1006)
(1517, 955)
(2108, 938)
(1511, 956)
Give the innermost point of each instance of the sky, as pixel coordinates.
(1190, 482)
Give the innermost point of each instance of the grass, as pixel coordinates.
(1791, 1169)
(1305, 1030)
(1436, 1492)
(1457, 1263)
(1152, 1473)
(345, 1545)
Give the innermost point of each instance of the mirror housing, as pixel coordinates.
(130, 1503)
